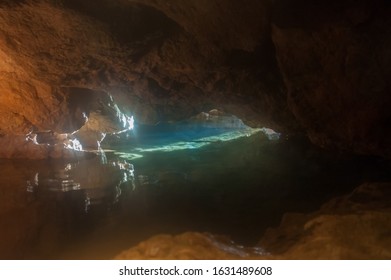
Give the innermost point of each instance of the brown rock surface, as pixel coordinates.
(356, 226)
(162, 64)
(188, 246)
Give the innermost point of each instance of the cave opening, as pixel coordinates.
(193, 133)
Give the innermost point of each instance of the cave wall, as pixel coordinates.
(319, 68)
(22, 97)
(169, 70)
(336, 62)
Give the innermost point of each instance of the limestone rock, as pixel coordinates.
(104, 117)
(27, 147)
(157, 57)
(215, 119)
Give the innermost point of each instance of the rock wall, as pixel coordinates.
(335, 60)
(322, 68)
(173, 67)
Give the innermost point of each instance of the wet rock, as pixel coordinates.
(27, 147)
(89, 116)
(108, 119)
(187, 246)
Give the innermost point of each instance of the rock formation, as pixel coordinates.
(319, 68)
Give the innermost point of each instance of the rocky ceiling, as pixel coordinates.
(316, 67)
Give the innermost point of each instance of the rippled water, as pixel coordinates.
(166, 181)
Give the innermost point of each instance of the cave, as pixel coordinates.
(219, 129)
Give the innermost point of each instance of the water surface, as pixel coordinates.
(171, 181)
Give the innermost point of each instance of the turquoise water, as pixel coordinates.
(170, 180)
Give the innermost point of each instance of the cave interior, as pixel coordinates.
(199, 129)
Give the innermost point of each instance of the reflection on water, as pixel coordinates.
(44, 203)
(95, 179)
(98, 207)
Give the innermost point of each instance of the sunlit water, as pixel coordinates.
(167, 180)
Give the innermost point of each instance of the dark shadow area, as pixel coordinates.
(311, 15)
(12, 3)
(130, 23)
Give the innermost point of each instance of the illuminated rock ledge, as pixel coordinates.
(27, 147)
